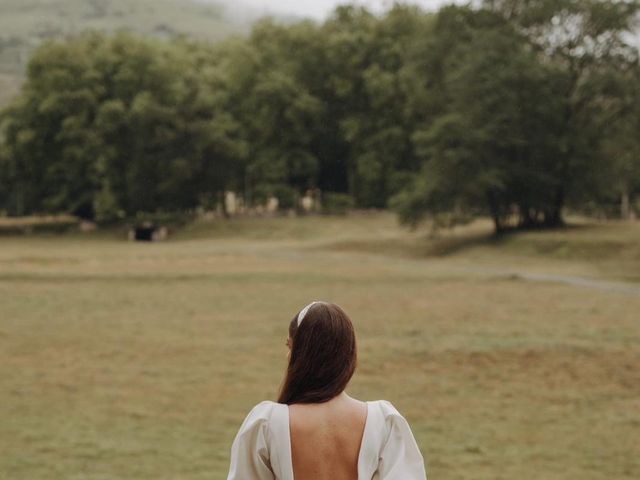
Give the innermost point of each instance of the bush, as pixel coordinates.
(334, 203)
(286, 195)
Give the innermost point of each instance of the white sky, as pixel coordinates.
(319, 9)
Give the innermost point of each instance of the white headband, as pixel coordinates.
(304, 311)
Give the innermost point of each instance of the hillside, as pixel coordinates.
(24, 24)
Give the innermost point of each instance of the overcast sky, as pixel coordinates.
(319, 9)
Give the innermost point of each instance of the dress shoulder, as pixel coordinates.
(257, 418)
(399, 455)
(262, 410)
(388, 410)
(389, 415)
(250, 452)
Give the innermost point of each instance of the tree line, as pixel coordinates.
(516, 109)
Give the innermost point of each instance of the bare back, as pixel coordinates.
(326, 438)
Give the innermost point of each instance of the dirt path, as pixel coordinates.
(606, 285)
(543, 277)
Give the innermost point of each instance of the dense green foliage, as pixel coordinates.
(517, 110)
(105, 126)
(526, 95)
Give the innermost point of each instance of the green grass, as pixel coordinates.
(121, 360)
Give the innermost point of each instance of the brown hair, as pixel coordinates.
(323, 355)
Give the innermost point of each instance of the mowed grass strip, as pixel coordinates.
(121, 360)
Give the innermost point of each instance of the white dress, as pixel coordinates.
(262, 447)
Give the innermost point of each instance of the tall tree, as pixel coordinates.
(583, 38)
(489, 143)
(120, 125)
(619, 121)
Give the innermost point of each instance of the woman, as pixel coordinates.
(316, 431)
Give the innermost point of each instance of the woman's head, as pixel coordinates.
(323, 354)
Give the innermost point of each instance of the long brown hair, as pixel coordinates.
(323, 355)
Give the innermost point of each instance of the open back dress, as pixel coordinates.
(262, 447)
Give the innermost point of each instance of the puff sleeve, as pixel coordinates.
(250, 450)
(400, 457)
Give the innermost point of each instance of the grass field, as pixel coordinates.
(140, 361)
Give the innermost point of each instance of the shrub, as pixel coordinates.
(335, 203)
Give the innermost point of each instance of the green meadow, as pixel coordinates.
(512, 358)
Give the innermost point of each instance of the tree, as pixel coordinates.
(270, 80)
(619, 121)
(366, 55)
(584, 39)
(490, 146)
(512, 98)
(120, 125)
(47, 134)
(514, 109)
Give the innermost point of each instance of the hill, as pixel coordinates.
(24, 24)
